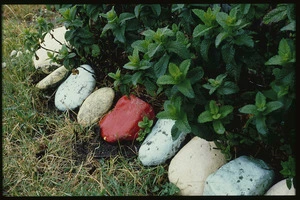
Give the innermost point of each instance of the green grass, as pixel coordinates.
(38, 154)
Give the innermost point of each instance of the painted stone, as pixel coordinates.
(191, 166)
(75, 89)
(41, 59)
(159, 146)
(241, 176)
(281, 189)
(122, 122)
(53, 79)
(95, 106)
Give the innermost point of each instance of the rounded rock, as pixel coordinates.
(191, 166)
(95, 106)
(281, 189)
(159, 146)
(53, 79)
(75, 89)
(41, 59)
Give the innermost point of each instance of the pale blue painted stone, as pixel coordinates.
(159, 145)
(241, 176)
(75, 89)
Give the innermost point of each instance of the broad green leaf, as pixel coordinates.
(141, 45)
(184, 66)
(174, 70)
(234, 70)
(290, 27)
(135, 77)
(205, 117)
(218, 127)
(260, 123)
(95, 50)
(233, 12)
(175, 132)
(153, 48)
(119, 33)
(275, 60)
(213, 107)
(200, 13)
(156, 8)
(195, 74)
(245, 8)
(271, 106)
(182, 124)
(260, 101)
(178, 48)
(276, 15)
(220, 37)
(201, 29)
(161, 65)
(225, 110)
(204, 48)
(166, 80)
(137, 10)
(149, 34)
(244, 40)
(228, 88)
(221, 18)
(125, 16)
(220, 78)
(284, 50)
(228, 52)
(165, 115)
(186, 89)
(165, 31)
(249, 109)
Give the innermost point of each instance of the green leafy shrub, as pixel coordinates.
(212, 62)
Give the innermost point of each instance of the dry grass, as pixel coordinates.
(38, 154)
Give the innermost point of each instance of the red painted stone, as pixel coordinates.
(122, 122)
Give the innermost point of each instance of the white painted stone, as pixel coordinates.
(281, 188)
(50, 43)
(241, 176)
(75, 89)
(53, 79)
(159, 145)
(191, 166)
(95, 106)
(13, 53)
(20, 53)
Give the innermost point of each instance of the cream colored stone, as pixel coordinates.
(95, 106)
(41, 59)
(53, 78)
(281, 188)
(193, 164)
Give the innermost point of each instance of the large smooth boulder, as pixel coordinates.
(75, 89)
(191, 166)
(53, 79)
(95, 106)
(159, 146)
(122, 122)
(41, 59)
(241, 176)
(281, 189)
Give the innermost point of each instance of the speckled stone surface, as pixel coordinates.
(159, 146)
(95, 106)
(241, 176)
(75, 89)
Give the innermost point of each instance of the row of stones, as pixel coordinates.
(197, 169)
